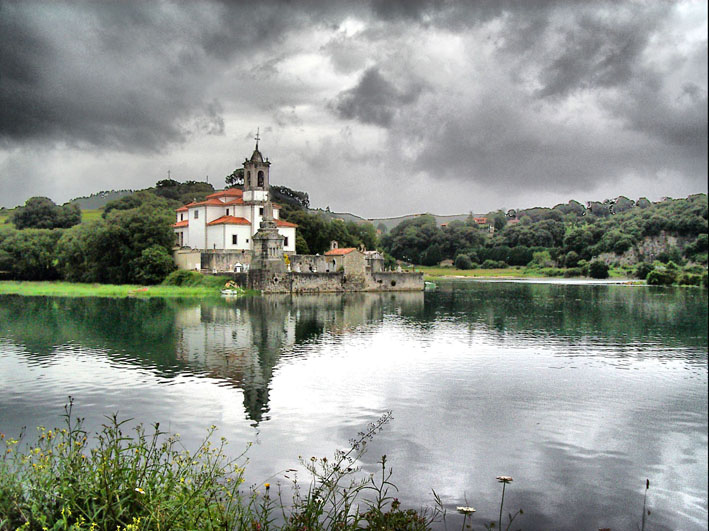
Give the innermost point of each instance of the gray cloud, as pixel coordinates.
(375, 100)
(539, 97)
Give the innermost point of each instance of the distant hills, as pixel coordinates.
(388, 223)
(99, 199)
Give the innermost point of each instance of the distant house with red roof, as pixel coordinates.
(228, 219)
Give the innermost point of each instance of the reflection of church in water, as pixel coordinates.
(241, 342)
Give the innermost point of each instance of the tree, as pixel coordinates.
(598, 269)
(463, 261)
(29, 254)
(42, 213)
(152, 266)
(235, 178)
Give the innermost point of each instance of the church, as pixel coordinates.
(228, 219)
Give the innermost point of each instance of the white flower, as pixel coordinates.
(465, 510)
(139, 490)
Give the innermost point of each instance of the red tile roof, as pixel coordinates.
(230, 220)
(182, 209)
(480, 221)
(230, 192)
(179, 224)
(340, 252)
(208, 202)
(284, 223)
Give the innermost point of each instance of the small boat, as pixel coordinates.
(231, 292)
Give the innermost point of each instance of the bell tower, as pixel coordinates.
(256, 179)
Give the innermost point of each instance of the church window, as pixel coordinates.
(248, 178)
(196, 214)
(233, 239)
(227, 211)
(182, 217)
(260, 179)
(260, 211)
(285, 242)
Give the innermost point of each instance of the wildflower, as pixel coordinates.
(139, 490)
(465, 510)
(504, 479)
(267, 485)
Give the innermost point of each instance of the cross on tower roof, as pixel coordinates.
(257, 137)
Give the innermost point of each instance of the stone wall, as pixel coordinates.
(187, 259)
(224, 260)
(393, 281)
(317, 282)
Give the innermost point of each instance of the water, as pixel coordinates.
(580, 392)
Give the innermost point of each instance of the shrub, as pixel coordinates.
(598, 269)
(642, 270)
(193, 278)
(689, 279)
(153, 265)
(662, 277)
(573, 272)
(493, 264)
(463, 261)
(572, 259)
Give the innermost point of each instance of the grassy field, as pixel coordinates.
(70, 289)
(91, 215)
(434, 272)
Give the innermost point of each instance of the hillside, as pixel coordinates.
(99, 199)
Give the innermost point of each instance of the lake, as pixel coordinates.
(579, 392)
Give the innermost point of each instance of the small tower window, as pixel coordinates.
(196, 214)
(227, 211)
(233, 239)
(260, 211)
(260, 179)
(285, 242)
(248, 178)
(182, 217)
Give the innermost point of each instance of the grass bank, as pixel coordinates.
(71, 289)
(432, 273)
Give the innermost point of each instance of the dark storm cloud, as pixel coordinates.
(117, 75)
(374, 100)
(542, 94)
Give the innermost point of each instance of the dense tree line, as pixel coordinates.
(570, 234)
(128, 246)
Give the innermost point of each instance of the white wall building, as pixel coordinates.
(228, 219)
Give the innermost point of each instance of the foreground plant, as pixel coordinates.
(126, 481)
(505, 480)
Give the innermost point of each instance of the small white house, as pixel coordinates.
(228, 219)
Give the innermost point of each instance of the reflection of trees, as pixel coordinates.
(621, 314)
(139, 331)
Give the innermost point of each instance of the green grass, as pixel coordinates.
(70, 289)
(432, 273)
(91, 215)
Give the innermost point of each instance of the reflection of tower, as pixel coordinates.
(243, 341)
(240, 343)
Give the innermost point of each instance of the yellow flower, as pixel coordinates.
(267, 485)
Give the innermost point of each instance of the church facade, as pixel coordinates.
(228, 219)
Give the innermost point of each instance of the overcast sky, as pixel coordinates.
(379, 108)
